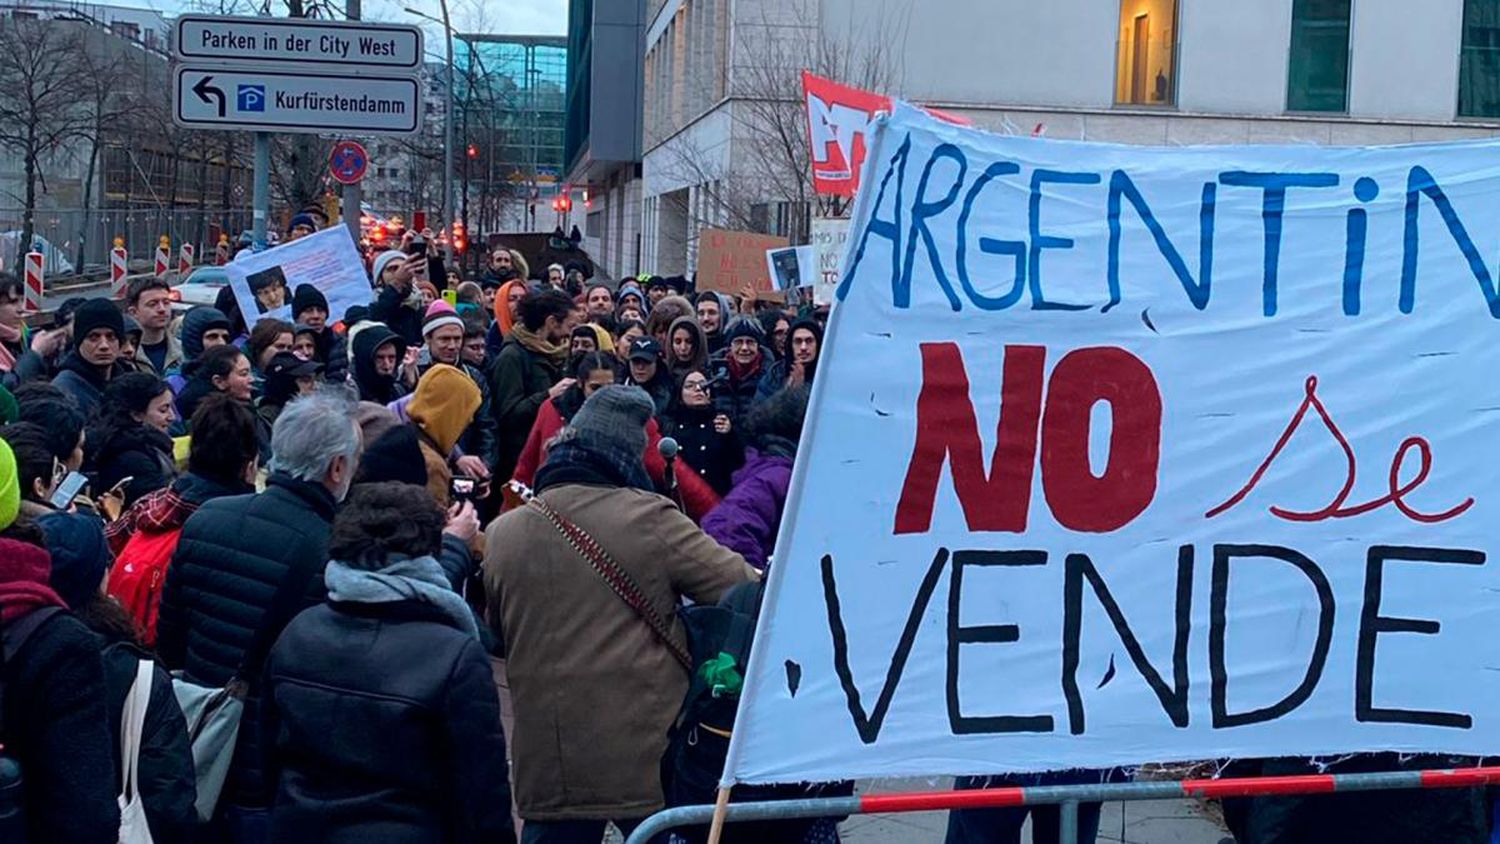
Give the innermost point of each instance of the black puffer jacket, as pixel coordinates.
(165, 764)
(233, 555)
(138, 452)
(58, 715)
(519, 381)
(381, 724)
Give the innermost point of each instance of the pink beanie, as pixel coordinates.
(439, 314)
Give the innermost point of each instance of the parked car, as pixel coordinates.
(201, 288)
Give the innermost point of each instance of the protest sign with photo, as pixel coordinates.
(791, 269)
(263, 282)
(1127, 454)
(728, 260)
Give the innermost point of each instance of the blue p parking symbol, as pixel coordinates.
(251, 98)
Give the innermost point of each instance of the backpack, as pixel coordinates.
(140, 577)
(12, 785)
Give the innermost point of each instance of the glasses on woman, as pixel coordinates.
(695, 386)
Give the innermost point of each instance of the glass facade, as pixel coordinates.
(511, 96)
(1479, 63)
(1318, 73)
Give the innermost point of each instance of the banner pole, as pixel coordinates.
(721, 805)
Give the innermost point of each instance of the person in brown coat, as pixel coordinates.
(595, 689)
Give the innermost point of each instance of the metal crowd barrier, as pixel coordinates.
(1066, 797)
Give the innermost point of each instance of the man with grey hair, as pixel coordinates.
(247, 564)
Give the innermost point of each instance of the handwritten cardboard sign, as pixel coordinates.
(728, 260)
(1122, 454)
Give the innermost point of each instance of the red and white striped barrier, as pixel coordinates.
(185, 259)
(119, 262)
(163, 256)
(1068, 797)
(32, 294)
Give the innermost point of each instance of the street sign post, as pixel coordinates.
(348, 162)
(295, 75)
(274, 100)
(299, 41)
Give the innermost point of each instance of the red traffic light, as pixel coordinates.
(473, 151)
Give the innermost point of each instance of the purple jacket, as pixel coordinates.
(749, 517)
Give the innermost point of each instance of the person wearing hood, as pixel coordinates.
(287, 377)
(713, 312)
(81, 559)
(230, 307)
(442, 408)
(54, 690)
(739, 369)
(445, 335)
(579, 765)
(310, 310)
(798, 362)
(687, 348)
(630, 293)
(129, 438)
(203, 328)
(506, 311)
(648, 370)
(364, 741)
(706, 437)
(88, 368)
(376, 354)
(397, 302)
(749, 517)
(529, 370)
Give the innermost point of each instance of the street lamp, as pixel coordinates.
(447, 118)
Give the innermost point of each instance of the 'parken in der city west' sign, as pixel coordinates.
(1122, 454)
(261, 40)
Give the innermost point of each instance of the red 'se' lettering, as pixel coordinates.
(1000, 500)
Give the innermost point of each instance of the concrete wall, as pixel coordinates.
(1233, 56)
(1405, 60)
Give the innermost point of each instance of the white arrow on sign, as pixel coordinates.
(299, 41)
(278, 100)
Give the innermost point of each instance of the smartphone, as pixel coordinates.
(418, 246)
(451, 297)
(68, 490)
(462, 489)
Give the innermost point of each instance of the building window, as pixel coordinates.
(1147, 71)
(1318, 74)
(1479, 63)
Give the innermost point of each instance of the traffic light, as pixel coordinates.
(473, 151)
(460, 242)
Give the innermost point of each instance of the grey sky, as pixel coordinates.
(508, 17)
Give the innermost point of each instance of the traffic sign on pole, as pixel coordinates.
(282, 100)
(348, 162)
(299, 41)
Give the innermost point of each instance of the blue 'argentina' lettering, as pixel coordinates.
(907, 226)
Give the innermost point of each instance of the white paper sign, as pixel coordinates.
(263, 282)
(1124, 454)
(829, 240)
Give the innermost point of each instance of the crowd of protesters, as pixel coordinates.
(387, 536)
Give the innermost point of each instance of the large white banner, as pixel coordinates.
(1123, 454)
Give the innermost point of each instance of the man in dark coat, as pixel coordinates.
(376, 362)
(98, 327)
(235, 553)
(365, 742)
(529, 370)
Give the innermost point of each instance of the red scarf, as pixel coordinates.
(24, 569)
(740, 371)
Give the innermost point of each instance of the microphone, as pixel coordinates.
(668, 449)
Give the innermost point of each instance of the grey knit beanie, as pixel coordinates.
(613, 421)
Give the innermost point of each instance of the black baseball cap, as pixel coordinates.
(645, 348)
(288, 364)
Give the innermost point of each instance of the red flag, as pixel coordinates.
(838, 120)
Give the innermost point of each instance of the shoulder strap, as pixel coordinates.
(12, 638)
(284, 605)
(617, 579)
(133, 728)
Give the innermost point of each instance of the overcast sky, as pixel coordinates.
(504, 17)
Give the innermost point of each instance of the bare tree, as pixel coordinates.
(43, 105)
(772, 160)
(102, 66)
